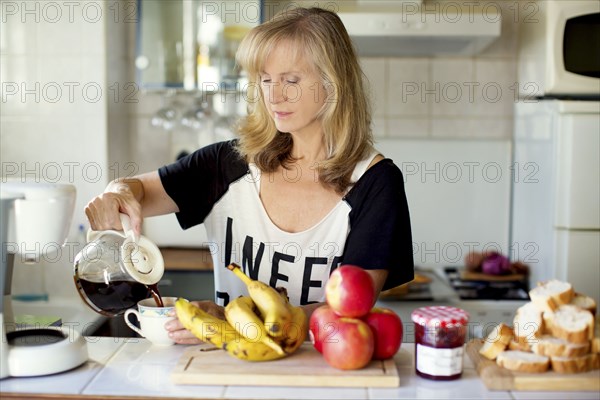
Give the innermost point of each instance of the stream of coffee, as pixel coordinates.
(156, 294)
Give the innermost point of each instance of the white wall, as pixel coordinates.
(458, 195)
(60, 63)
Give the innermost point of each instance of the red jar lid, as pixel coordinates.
(440, 316)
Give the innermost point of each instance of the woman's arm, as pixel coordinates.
(139, 196)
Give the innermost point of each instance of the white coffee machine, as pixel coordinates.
(34, 220)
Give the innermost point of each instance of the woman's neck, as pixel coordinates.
(308, 149)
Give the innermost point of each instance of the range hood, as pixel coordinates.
(414, 28)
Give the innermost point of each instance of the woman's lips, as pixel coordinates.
(281, 115)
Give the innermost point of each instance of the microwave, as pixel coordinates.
(559, 49)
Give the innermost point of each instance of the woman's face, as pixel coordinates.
(292, 91)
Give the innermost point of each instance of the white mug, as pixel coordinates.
(152, 320)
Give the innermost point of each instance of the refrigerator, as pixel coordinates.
(555, 210)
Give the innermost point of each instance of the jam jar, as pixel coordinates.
(439, 338)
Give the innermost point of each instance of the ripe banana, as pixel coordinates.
(234, 335)
(203, 325)
(240, 314)
(272, 306)
(296, 331)
(246, 350)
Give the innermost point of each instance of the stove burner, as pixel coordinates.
(487, 290)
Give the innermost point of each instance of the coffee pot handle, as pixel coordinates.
(127, 231)
(126, 223)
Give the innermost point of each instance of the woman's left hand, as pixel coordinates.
(181, 335)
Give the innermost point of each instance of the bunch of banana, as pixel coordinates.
(261, 327)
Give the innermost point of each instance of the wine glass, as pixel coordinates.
(194, 118)
(167, 116)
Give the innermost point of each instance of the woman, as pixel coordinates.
(302, 190)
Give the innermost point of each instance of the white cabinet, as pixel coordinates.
(191, 44)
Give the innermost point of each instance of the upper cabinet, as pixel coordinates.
(191, 44)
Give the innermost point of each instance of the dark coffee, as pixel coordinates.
(112, 299)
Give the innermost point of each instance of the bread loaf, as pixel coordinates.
(496, 341)
(554, 347)
(528, 323)
(572, 365)
(548, 296)
(570, 323)
(522, 361)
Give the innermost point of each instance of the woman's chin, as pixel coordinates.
(282, 127)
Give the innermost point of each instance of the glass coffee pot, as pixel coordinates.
(114, 270)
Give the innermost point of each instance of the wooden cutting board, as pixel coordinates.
(480, 276)
(496, 377)
(306, 367)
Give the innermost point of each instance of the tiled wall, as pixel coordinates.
(449, 97)
(63, 71)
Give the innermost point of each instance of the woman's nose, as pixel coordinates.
(277, 93)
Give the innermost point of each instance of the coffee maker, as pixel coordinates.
(34, 222)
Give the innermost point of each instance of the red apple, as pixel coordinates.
(321, 326)
(387, 331)
(351, 345)
(350, 291)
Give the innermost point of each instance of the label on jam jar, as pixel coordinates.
(439, 362)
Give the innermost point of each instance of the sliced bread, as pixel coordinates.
(516, 345)
(522, 361)
(554, 347)
(585, 302)
(528, 323)
(548, 296)
(595, 345)
(596, 340)
(572, 365)
(570, 323)
(496, 341)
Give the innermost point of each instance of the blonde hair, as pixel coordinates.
(346, 117)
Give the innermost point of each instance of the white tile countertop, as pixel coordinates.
(122, 368)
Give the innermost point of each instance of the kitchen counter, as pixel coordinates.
(129, 368)
(133, 368)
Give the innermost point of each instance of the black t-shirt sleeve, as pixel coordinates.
(196, 182)
(380, 234)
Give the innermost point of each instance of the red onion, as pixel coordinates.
(495, 264)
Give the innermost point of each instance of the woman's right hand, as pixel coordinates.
(177, 331)
(103, 211)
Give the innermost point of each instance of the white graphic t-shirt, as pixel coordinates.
(369, 227)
